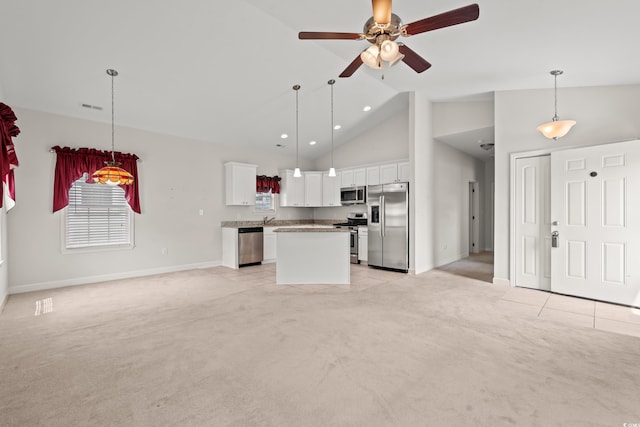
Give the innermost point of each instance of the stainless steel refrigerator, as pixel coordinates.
(388, 206)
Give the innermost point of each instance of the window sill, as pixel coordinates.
(97, 249)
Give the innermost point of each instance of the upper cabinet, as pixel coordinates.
(373, 175)
(354, 177)
(404, 172)
(313, 189)
(240, 183)
(291, 189)
(331, 189)
(394, 172)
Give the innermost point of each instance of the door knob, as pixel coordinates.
(555, 236)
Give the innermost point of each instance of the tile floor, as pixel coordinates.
(571, 311)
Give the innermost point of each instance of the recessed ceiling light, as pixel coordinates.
(312, 143)
(336, 127)
(284, 136)
(367, 108)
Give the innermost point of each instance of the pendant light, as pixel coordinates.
(112, 173)
(332, 170)
(556, 128)
(296, 171)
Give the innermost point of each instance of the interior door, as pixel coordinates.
(596, 213)
(533, 224)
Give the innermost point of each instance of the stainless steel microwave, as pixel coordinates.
(353, 195)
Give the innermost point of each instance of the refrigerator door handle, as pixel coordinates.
(382, 216)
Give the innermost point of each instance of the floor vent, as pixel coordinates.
(44, 306)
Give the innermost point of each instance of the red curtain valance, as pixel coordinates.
(8, 157)
(264, 184)
(71, 163)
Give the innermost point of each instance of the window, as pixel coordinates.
(97, 216)
(265, 202)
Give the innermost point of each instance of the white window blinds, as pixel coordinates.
(97, 215)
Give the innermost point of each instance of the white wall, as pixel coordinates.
(603, 114)
(486, 236)
(453, 172)
(456, 117)
(4, 276)
(177, 178)
(422, 196)
(4, 271)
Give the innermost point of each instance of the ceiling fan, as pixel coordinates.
(384, 27)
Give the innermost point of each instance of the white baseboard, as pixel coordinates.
(107, 277)
(501, 282)
(3, 302)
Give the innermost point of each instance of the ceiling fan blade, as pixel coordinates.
(446, 19)
(413, 60)
(310, 35)
(381, 11)
(351, 68)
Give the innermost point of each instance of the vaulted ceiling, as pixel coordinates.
(223, 71)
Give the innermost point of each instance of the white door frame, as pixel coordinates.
(512, 195)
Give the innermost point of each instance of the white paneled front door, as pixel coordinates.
(533, 226)
(595, 209)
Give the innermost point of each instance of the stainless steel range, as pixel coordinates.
(354, 219)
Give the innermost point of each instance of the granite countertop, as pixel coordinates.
(279, 223)
(311, 230)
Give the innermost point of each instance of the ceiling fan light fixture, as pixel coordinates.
(556, 128)
(370, 56)
(389, 50)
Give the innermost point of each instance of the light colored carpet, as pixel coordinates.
(222, 347)
(476, 266)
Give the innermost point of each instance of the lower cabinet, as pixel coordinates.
(269, 248)
(363, 243)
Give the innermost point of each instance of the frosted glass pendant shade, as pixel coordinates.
(370, 56)
(556, 129)
(332, 171)
(297, 173)
(389, 50)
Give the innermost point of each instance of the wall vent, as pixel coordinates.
(92, 107)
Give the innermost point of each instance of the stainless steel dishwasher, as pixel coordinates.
(250, 246)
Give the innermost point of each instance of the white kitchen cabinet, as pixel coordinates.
(404, 172)
(354, 177)
(313, 189)
(269, 244)
(363, 243)
(395, 172)
(291, 189)
(240, 183)
(373, 175)
(331, 189)
(388, 173)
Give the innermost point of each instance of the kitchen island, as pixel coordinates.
(308, 255)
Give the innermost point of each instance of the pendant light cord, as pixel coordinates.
(297, 88)
(331, 82)
(113, 128)
(555, 96)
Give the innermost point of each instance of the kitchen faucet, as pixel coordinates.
(267, 220)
